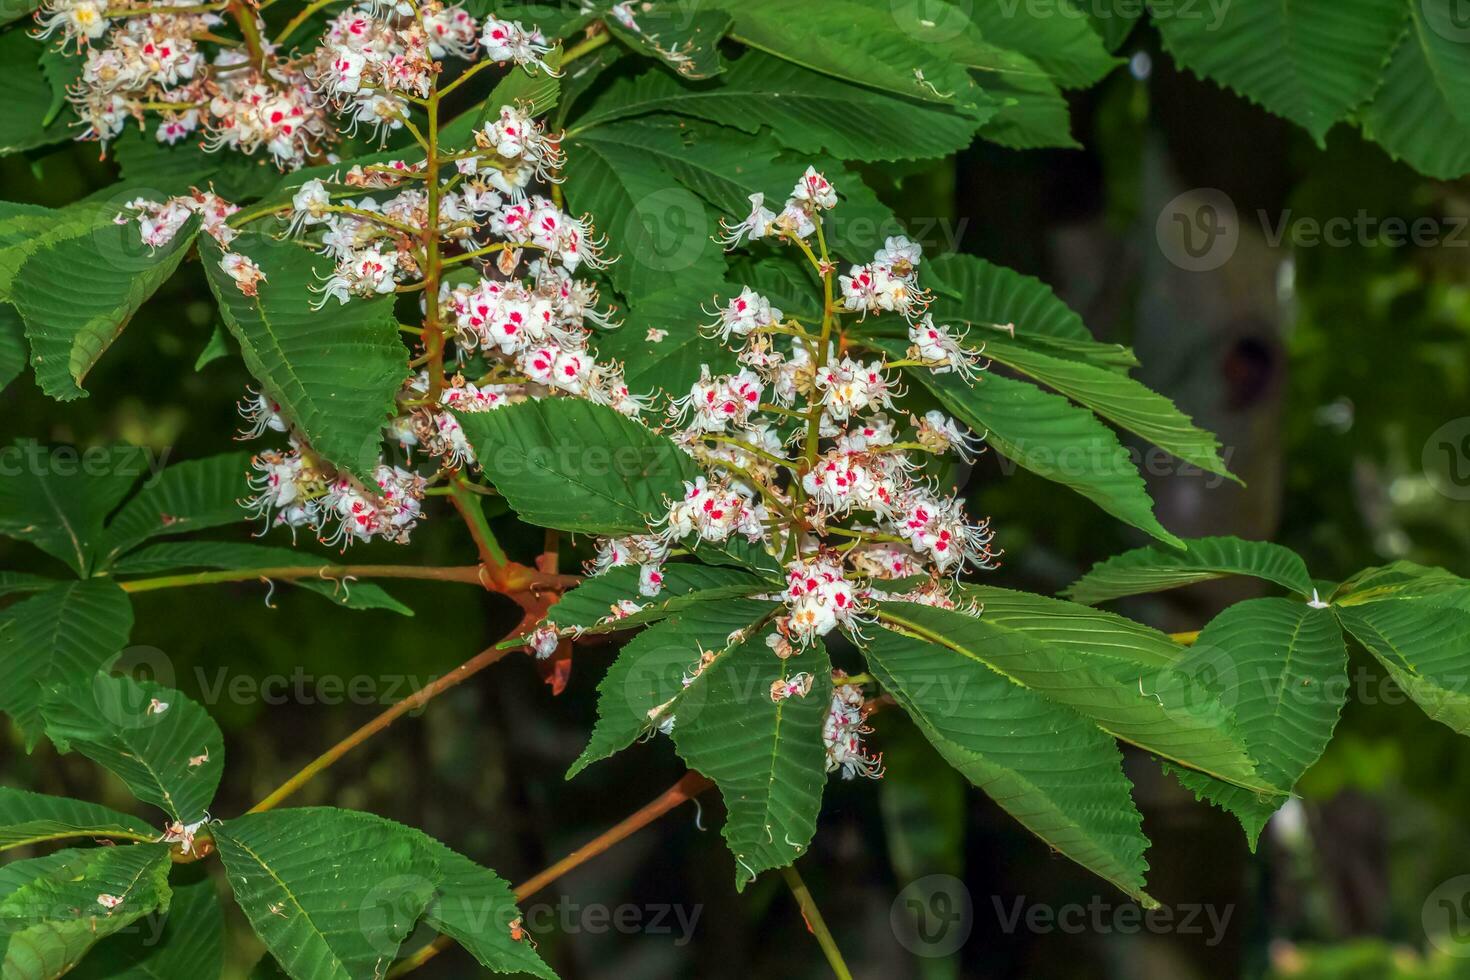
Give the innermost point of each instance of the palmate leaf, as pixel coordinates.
(1088, 631)
(65, 633)
(1312, 61)
(575, 466)
(592, 600)
(1049, 436)
(27, 116)
(1153, 707)
(685, 37)
(70, 321)
(1154, 569)
(1403, 580)
(523, 84)
(56, 498)
(190, 945)
(50, 913)
(335, 370)
(332, 893)
(766, 757)
(1119, 399)
(973, 290)
(185, 497)
(381, 876)
(14, 582)
(164, 746)
(474, 906)
(1281, 667)
(636, 694)
(672, 362)
(1045, 764)
(1034, 113)
(858, 41)
(1421, 112)
(725, 168)
(1423, 647)
(173, 556)
(33, 818)
(662, 231)
(804, 110)
(12, 345)
(1065, 46)
(1113, 22)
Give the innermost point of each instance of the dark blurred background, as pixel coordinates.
(1325, 368)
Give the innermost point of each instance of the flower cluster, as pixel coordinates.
(168, 58)
(809, 454)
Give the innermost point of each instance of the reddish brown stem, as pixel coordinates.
(687, 788)
(430, 691)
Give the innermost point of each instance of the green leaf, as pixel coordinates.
(662, 232)
(1141, 703)
(332, 893)
(1049, 436)
(1423, 648)
(12, 345)
(1066, 46)
(858, 42)
(16, 582)
(673, 363)
(641, 687)
(71, 321)
(1154, 569)
(172, 556)
(63, 634)
(1120, 400)
(975, 291)
(1281, 667)
(1312, 61)
(186, 497)
(726, 168)
(49, 909)
(335, 370)
(1044, 763)
(522, 84)
(1399, 580)
(163, 745)
(575, 466)
(33, 818)
(17, 9)
(1086, 630)
(684, 37)
(216, 348)
(804, 110)
(29, 96)
(56, 498)
(767, 758)
(1421, 113)
(25, 228)
(475, 907)
(190, 945)
(1033, 113)
(592, 601)
(1112, 22)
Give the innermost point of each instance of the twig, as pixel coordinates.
(419, 698)
(815, 923)
(685, 789)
